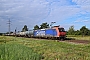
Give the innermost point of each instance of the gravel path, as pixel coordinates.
(79, 41)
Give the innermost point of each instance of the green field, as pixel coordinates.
(16, 48)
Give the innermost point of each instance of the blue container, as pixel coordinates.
(45, 33)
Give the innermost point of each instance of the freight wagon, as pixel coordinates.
(55, 32)
(29, 33)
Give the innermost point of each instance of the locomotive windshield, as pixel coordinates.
(61, 30)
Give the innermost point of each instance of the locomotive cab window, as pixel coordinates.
(61, 30)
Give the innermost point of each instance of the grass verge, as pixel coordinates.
(35, 49)
(17, 52)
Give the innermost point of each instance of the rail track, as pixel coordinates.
(66, 40)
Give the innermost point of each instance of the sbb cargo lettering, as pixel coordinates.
(40, 33)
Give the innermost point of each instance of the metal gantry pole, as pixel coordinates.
(52, 24)
(9, 23)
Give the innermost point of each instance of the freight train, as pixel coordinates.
(55, 32)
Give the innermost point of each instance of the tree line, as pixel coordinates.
(42, 26)
(82, 31)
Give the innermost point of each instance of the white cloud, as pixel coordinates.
(32, 12)
(78, 21)
(21, 21)
(86, 8)
(62, 13)
(86, 21)
(82, 2)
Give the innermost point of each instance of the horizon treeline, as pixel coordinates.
(82, 31)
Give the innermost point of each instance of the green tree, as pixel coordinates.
(71, 30)
(24, 28)
(44, 25)
(77, 32)
(36, 27)
(84, 31)
(89, 32)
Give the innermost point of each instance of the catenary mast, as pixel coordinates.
(9, 23)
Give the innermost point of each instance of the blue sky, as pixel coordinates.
(34, 12)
